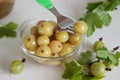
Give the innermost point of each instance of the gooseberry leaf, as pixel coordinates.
(8, 30)
(93, 21)
(97, 15)
(85, 58)
(71, 69)
(102, 54)
(113, 59)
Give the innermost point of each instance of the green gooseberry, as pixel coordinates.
(17, 66)
(98, 44)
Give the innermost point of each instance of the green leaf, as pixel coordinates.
(97, 14)
(87, 77)
(1, 35)
(77, 76)
(107, 61)
(113, 59)
(107, 56)
(117, 55)
(70, 69)
(104, 16)
(91, 77)
(11, 26)
(10, 33)
(85, 58)
(8, 30)
(112, 4)
(98, 78)
(92, 5)
(106, 19)
(102, 53)
(93, 21)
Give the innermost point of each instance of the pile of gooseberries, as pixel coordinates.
(46, 39)
(98, 68)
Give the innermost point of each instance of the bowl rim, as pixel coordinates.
(25, 51)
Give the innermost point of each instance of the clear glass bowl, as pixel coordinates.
(24, 30)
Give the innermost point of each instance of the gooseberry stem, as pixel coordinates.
(94, 62)
(23, 60)
(116, 48)
(100, 39)
(108, 69)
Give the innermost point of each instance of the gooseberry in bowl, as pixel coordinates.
(43, 40)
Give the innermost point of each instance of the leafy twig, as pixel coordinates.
(8, 30)
(97, 14)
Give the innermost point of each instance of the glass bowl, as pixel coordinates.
(24, 30)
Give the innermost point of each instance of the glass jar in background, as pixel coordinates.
(6, 7)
